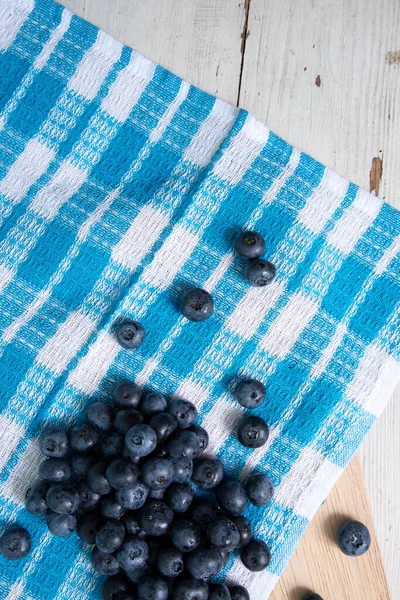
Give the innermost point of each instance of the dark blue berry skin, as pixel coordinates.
(88, 526)
(184, 444)
(155, 517)
(312, 597)
(15, 543)
(225, 557)
(132, 554)
(81, 463)
(204, 563)
(219, 591)
(122, 474)
(152, 587)
(88, 500)
(190, 589)
(104, 563)
(260, 272)
(127, 418)
(134, 575)
(35, 498)
(110, 508)
(353, 538)
(255, 555)
(238, 592)
(202, 437)
(170, 562)
(184, 412)
(223, 534)
(153, 403)
(127, 395)
(114, 586)
(157, 473)
(185, 535)
(112, 445)
(183, 469)
(203, 512)
(207, 472)
(259, 489)
(97, 480)
(179, 497)
(140, 440)
(130, 521)
(60, 525)
(250, 393)
(130, 334)
(132, 498)
(197, 305)
(110, 536)
(55, 470)
(245, 530)
(54, 442)
(164, 424)
(232, 496)
(84, 438)
(62, 499)
(157, 494)
(250, 244)
(101, 415)
(252, 432)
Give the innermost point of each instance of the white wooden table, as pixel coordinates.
(325, 75)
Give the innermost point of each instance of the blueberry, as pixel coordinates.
(156, 494)
(104, 563)
(54, 442)
(260, 489)
(184, 412)
(110, 508)
(252, 432)
(140, 440)
(219, 591)
(114, 586)
(170, 562)
(127, 418)
(122, 474)
(101, 415)
(250, 393)
(35, 498)
(203, 512)
(132, 554)
(164, 425)
(204, 563)
(157, 473)
(185, 535)
(353, 538)
(250, 244)
(60, 525)
(110, 536)
(62, 499)
(88, 500)
(84, 438)
(88, 526)
(197, 305)
(134, 575)
(190, 589)
(184, 444)
(15, 543)
(155, 517)
(202, 437)
(81, 464)
(232, 496)
(207, 472)
(97, 480)
(183, 469)
(238, 592)
(312, 597)
(127, 395)
(130, 521)
(130, 334)
(223, 534)
(179, 497)
(245, 530)
(152, 587)
(55, 470)
(132, 498)
(255, 555)
(153, 403)
(260, 272)
(112, 445)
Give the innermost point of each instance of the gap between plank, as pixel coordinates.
(244, 37)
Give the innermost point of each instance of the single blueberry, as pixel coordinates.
(130, 334)
(238, 592)
(245, 530)
(54, 442)
(260, 272)
(259, 489)
(15, 543)
(203, 512)
(232, 496)
(153, 403)
(97, 480)
(112, 445)
(219, 591)
(207, 472)
(132, 554)
(127, 418)
(255, 555)
(252, 432)
(185, 535)
(190, 589)
(35, 498)
(183, 469)
(353, 538)
(122, 474)
(184, 444)
(250, 393)
(197, 305)
(88, 500)
(130, 521)
(55, 470)
(170, 562)
(140, 440)
(127, 395)
(184, 412)
(101, 415)
(114, 586)
(179, 497)
(104, 563)
(110, 536)
(204, 563)
(202, 437)
(164, 425)
(110, 508)
(60, 525)
(250, 244)
(88, 526)
(152, 587)
(62, 499)
(155, 517)
(81, 464)
(223, 534)
(157, 473)
(132, 498)
(84, 438)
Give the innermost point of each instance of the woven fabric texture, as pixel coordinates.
(121, 186)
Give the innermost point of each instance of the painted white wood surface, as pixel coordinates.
(353, 46)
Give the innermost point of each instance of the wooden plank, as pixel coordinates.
(319, 566)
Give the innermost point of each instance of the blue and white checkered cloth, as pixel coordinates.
(122, 185)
